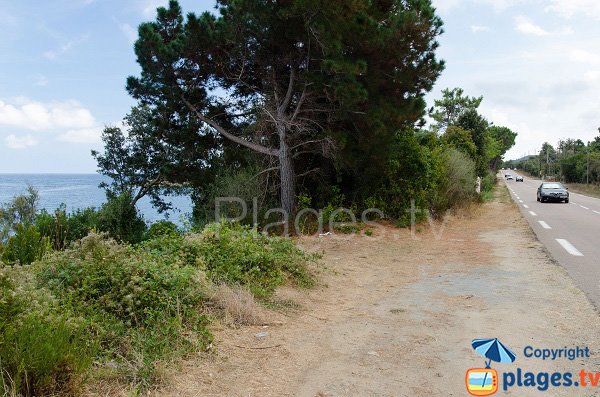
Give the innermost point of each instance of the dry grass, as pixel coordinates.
(589, 190)
(237, 305)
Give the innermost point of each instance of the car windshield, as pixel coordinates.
(552, 186)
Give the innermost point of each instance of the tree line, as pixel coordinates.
(570, 161)
(298, 103)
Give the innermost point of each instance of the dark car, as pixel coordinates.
(519, 179)
(552, 191)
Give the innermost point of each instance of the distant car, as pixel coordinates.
(509, 177)
(519, 179)
(552, 191)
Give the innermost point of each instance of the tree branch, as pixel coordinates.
(250, 145)
(290, 91)
(307, 172)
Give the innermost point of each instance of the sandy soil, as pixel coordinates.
(395, 314)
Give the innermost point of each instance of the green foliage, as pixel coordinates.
(24, 247)
(245, 183)
(141, 304)
(451, 107)
(119, 217)
(460, 139)
(468, 131)
(457, 184)
(240, 255)
(43, 349)
(161, 228)
(142, 307)
(503, 139)
(20, 210)
(572, 162)
(138, 161)
(307, 85)
(408, 176)
(63, 228)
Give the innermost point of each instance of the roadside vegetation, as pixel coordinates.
(273, 104)
(572, 161)
(75, 309)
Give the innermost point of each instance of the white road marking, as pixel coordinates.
(585, 208)
(597, 212)
(520, 201)
(569, 247)
(532, 213)
(525, 206)
(544, 225)
(574, 202)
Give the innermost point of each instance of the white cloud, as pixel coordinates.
(129, 31)
(527, 26)
(8, 20)
(584, 56)
(36, 116)
(498, 5)
(149, 6)
(41, 80)
(445, 5)
(15, 142)
(64, 48)
(571, 8)
(85, 135)
(478, 29)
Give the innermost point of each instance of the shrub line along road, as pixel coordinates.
(570, 232)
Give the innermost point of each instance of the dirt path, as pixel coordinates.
(395, 317)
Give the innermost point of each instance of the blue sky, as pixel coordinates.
(64, 64)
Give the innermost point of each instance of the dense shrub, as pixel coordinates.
(460, 172)
(121, 220)
(161, 228)
(140, 305)
(127, 307)
(43, 349)
(25, 246)
(236, 254)
(63, 228)
(20, 210)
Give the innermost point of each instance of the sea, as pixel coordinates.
(78, 191)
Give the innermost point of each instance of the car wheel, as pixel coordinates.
(537, 198)
(542, 199)
(567, 201)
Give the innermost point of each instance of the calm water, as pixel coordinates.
(78, 191)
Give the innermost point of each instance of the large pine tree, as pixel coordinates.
(293, 80)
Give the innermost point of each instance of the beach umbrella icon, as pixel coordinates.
(493, 350)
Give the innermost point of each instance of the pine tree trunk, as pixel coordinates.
(287, 175)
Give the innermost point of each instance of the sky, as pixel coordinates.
(64, 63)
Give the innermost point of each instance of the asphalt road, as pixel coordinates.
(570, 232)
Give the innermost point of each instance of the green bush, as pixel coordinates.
(20, 210)
(63, 228)
(121, 220)
(142, 306)
(236, 254)
(240, 255)
(127, 307)
(25, 246)
(43, 349)
(462, 179)
(456, 182)
(161, 228)
(488, 182)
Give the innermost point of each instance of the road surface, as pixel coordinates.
(570, 232)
